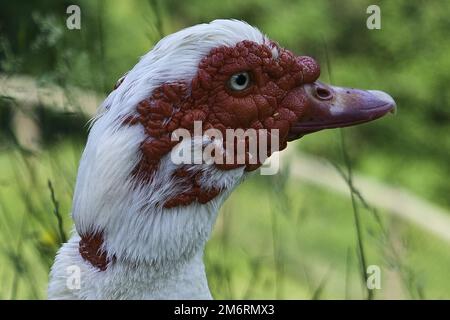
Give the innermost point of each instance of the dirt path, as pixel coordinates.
(394, 200)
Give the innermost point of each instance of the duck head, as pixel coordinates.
(132, 201)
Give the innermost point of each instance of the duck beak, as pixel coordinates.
(335, 107)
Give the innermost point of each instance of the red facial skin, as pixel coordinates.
(266, 103)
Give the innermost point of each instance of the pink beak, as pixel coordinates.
(334, 107)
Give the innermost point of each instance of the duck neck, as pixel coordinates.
(157, 254)
(181, 279)
(135, 237)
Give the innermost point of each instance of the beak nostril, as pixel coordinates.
(323, 93)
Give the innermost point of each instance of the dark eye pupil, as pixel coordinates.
(241, 79)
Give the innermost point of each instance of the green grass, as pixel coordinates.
(275, 238)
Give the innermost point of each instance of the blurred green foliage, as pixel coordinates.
(408, 58)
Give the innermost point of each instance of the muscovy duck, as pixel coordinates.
(142, 220)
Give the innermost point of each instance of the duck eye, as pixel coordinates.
(239, 81)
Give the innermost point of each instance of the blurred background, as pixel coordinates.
(376, 194)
